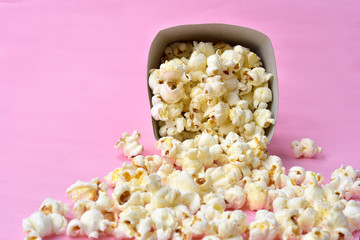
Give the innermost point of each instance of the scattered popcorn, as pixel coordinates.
(130, 144)
(91, 223)
(53, 206)
(211, 103)
(39, 225)
(306, 147)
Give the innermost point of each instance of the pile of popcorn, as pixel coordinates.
(214, 88)
(213, 165)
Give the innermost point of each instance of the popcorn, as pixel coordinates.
(172, 70)
(220, 112)
(197, 62)
(39, 225)
(159, 112)
(232, 60)
(205, 48)
(316, 234)
(263, 118)
(177, 49)
(258, 76)
(83, 190)
(209, 84)
(265, 226)
(235, 197)
(352, 212)
(214, 66)
(130, 144)
(128, 220)
(298, 174)
(150, 164)
(124, 197)
(341, 233)
(306, 147)
(126, 173)
(165, 222)
(257, 195)
(288, 225)
(262, 96)
(214, 87)
(211, 104)
(53, 206)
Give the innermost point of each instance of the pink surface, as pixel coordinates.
(73, 78)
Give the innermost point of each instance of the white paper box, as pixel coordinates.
(215, 32)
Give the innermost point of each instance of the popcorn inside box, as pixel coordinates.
(199, 73)
(213, 92)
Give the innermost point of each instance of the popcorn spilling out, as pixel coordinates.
(214, 88)
(50, 219)
(130, 144)
(306, 148)
(211, 101)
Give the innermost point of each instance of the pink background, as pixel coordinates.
(73, 78)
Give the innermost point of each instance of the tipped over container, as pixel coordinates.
(256, 41)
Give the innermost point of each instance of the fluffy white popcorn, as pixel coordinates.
(83, 190)
(128, 220)
(214, 87)
(257, 196)
(298, 174)
(150, 164)
(208, 82)
(197, 224)
(39, 225)
(336, 218)
(232, 98)
(341, 233)
(316, 234)
(308, 219)
(171, 92)
(263, 118)
(53, 206)
(352, 212)
(265, 226)
(232, 60)
(240, 114)
(178, 49)
(235, 197)
(172, 70)
(91, 223)
(288, 225)
(258, 76)
(127, 173)
(205, 48)
(159, 111)
(262, 95)
(220, 112)
(313, 193)
(197, 62)
(124, 197)
(173, 127)
(130, 144)
(155, 81)
(165, 222)
(251, 60)
(306, 147)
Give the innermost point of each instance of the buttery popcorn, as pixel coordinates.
(53, 206)
(211, 102)
(39, 225)
(130, 144)
(214, 85)
(306, 147)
